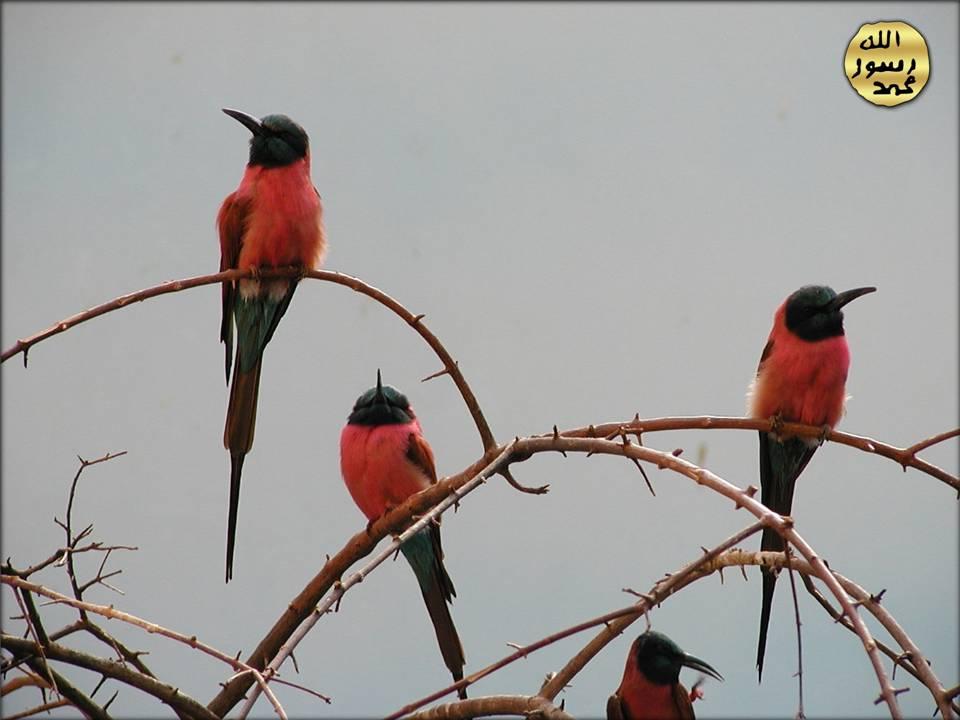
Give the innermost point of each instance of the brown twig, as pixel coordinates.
(532, 707)
(45, 707)
(171, 696)
(114, 614)
(931, 441)
(796, 613)
(415, 321)
(63, 687)
(911, 655)
(905, 457)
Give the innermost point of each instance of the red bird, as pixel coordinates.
(651, 688)
(385, 459)
(274, 218)
(801, 378)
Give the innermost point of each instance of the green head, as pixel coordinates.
(813, 312)
(660, 659)
(277, 140)
(381, 405)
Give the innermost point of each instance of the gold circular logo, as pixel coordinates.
(887, 62)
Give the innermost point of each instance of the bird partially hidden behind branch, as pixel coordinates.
(651, 688)
(384, 459)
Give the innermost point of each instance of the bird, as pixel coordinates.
(801, 378)
(274, 218)
(651, 686)
(384, 459)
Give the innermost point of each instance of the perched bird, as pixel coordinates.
(272, 219)
(651, 687)
(801, 378)
(385, 459)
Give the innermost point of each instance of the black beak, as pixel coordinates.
(379, 397)
(249, 121)
(697, 664)
(843, 298)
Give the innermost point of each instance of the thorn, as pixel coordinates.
(677, 452)
(636, 417)
(643, 472)
(720, 572)
(743, 571)
(438, 373)
(878, 597)
(417, 318)
(776, 424)
(556, 438)
(593, 431)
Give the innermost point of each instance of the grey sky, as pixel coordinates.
(597, 207)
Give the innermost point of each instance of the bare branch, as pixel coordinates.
(171, 696)
(415, 321)
(620, 618)
(533, 707)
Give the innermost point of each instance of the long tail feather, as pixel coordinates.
(257, 319)
(236, 465)
(781, 463)
(426, 558)
(238, 439)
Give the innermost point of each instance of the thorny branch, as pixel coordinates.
(415, 321)
(615, 622)
(593, 439)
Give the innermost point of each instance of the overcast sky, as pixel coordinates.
(597, 207)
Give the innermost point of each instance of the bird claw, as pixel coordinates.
(824, 432)
(776, 424)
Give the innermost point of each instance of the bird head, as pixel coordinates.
(381, 405)
(814, 311)
(277, 140)
(660, 659)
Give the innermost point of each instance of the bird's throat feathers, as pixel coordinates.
(644, 699)
(801, 380)
(284, 223)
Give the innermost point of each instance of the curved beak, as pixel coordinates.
(379, 397)
(697, 664)
(249, 121)
(843, 298)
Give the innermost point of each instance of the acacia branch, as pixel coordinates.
(615, 622)
(533, 707)
(415, 321)
(167, 694)
(905, 457)
(910, 658)
(38, 663)
(114, 614)
(363, 543)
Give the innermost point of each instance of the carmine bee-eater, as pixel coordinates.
(801, 378)
(651, 687)
(385, 459)
(272, 219)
